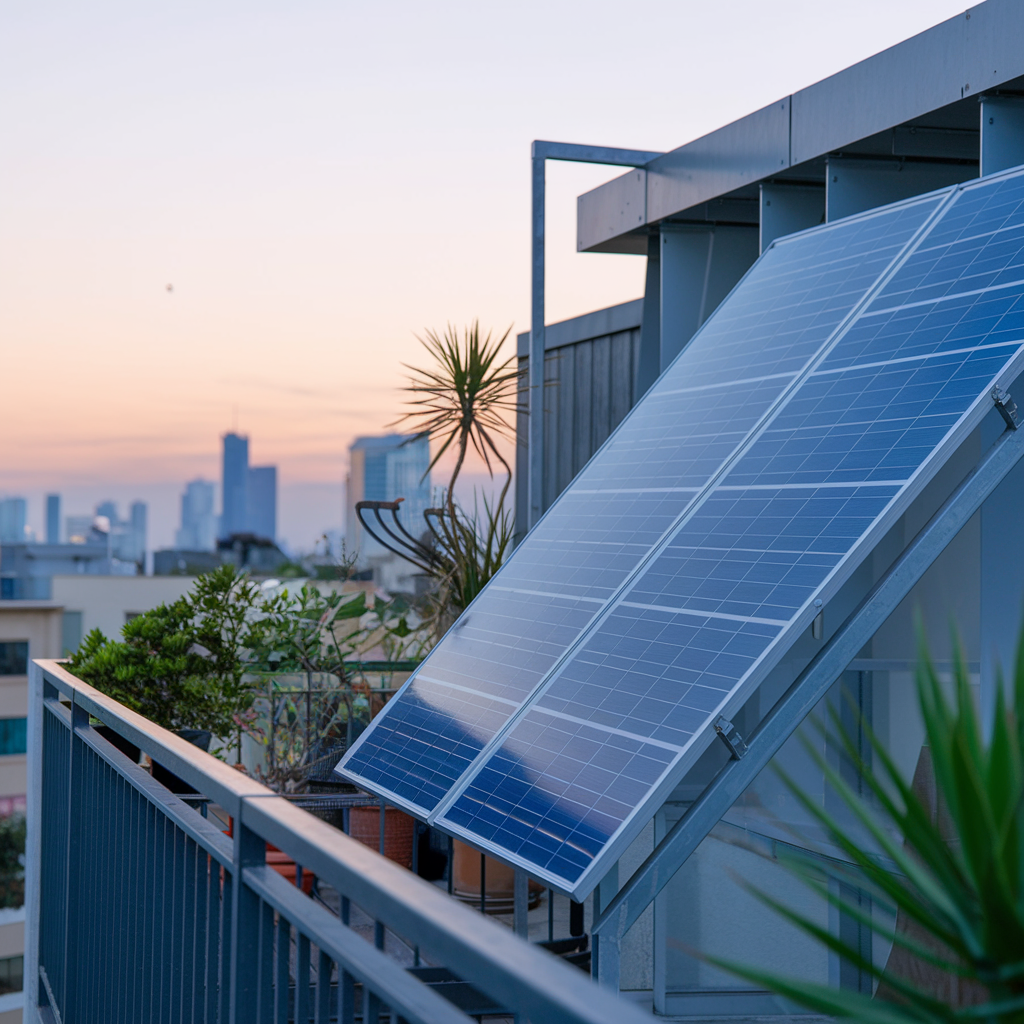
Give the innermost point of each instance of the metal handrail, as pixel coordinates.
(487, 955)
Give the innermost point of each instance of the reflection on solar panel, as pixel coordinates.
(570, 699)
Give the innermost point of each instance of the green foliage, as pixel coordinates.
(959, 874)
(465, 401)
(182, 664)
(12, 861)
(311, 634)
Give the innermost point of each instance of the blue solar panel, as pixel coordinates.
(679, 565)
(623, 504)
(716, 606)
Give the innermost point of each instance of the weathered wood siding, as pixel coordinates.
(590, 385)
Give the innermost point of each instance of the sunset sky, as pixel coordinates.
(318, 182)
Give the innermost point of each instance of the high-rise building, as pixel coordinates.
(235, 485)
(384, 469)
(12, 521)
(53, 519)
(134, 550)
(262, 502)
(198, 531)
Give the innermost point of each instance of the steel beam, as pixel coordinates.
(805, 692)
(542, 152)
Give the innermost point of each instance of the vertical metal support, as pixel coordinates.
(1002, 578)
(80, 834)
(536, 369)
(33, 843)
(521, 904)
(483, 883)
(576, 926)
(249, 850)
(607, 951)
(787, 208)
(1002, 133)
(649, 363)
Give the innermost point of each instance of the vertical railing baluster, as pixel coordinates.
(226, 916)
(147, 988)
(346, 997)
(250, 850)
(265, 965)
(282, 986)
(188, 927)
(371, 1006)
(177, 922)
(200, 933)
(302, 981)
(324, 969)
(212, 979)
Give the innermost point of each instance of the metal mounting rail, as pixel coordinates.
(540, 153)
(139, 908)
(797, 702)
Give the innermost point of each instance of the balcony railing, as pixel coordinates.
(141, 909)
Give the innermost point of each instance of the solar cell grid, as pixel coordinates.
(685, 430)
(872, 414)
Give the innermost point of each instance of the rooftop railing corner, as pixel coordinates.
(140, 908)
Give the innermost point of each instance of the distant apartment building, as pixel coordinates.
(12, 521)
(384, 469)
(26, 570)
(53, 519)
(248, 493)
(263, 501)
(28, 629)
(126, 537)
(198, 530)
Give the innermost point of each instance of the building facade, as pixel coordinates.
(387, 468)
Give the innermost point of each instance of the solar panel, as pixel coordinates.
(867, 350)
(620, 507)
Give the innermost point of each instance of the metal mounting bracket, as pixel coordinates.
(1007, 407)
(730, 736)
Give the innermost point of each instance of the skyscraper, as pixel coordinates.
(198, 531)
(12, 521)
(383, 469)
(135, 549)
(235, 485)
(53, 519)
(262, 506)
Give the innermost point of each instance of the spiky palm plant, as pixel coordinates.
(956, 880)
(464, 402)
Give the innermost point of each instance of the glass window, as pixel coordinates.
(12, 969)
(13, 735)
(13, 657)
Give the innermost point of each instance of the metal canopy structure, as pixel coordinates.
(708, 533)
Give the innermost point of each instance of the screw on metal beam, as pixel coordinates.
(729, 735)
(1007, 407)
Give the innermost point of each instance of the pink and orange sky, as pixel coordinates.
(318, 182)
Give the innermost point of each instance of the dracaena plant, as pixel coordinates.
(954, 877)
(463, 402)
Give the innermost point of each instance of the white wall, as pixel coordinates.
(106, 601)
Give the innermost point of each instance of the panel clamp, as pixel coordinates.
(729, 735)
(1007, 407)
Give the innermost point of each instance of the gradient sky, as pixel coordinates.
(318, 182)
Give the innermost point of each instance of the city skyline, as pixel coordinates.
(136, 227)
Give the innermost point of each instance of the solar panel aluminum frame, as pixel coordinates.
(432, 814)
(677, 769)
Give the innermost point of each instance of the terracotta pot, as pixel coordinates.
(364, 826)
(499, 880)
